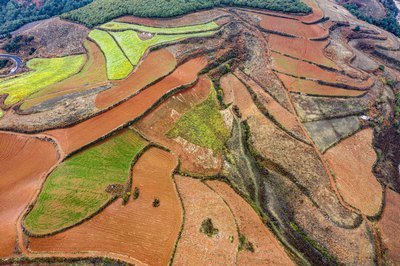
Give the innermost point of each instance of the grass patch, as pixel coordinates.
(76, 189)
(134, 47)
(118, 66)
(44, 72)
(245, 244)
(203, 125)
(175, 30)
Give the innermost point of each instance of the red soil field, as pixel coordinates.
(137, 230)
(316, 15)
(194, 159)
(156, 65)
(292, 27)
(24, 163)
(267, 250)
(190, 19)
(389, 227)
(313, 88)
(92, 75)
(352, 160)
(75, 137)
(301, 48)
(300, 68)
(284, 117)
(194, 247)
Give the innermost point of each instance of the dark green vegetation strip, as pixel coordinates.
(14, 13)
(101, 11)
(76, 189)
(203, 125)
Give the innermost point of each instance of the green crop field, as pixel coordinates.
(134, 47)
(44, 72)
(118, 66)
(76, 188)
(175, 30)
(203, 125)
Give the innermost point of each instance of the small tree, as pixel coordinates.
(357, 28)
(156, 202)
(136, 193)
(208, 228)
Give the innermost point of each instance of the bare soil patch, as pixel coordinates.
(267, 250)
(24, 162)
(137, 230)
(316, 15)
(77, 136)
(195, 247)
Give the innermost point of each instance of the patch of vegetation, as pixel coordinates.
(16, 13)
(4, 63)
(173, 30)
(101, 11)
(156, 203)
(397, 113)
(389, 22)
(134, 47)
(245, 244)
(136, 193)
(208, 228)
(203, 125)
(44, 72)
(118, 66)
(13, 44)
(76, 188)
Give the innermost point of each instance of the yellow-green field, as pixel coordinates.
(76, 188)
(43, 72)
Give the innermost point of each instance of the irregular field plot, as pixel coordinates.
(313, 88)
(352, 161)
(92, 74)
(134, 47)
(44, 72)
(137, 230)
(195, 247)
(118, 66)
(203, 125)
(267, 250)
(76, 188)
(193, 158)
(24, 162)
(156, 65)
(389, 226)
(301, 48)
(316, 14)
(79, 135)
(113, 25)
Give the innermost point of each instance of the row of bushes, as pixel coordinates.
(101, 11)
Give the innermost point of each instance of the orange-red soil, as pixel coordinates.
(137, 230)
(267, 250)
(314, 88)
(292, 27)
(75, 137)
(389, 227)
(194, 247)
(352, 161)
(193, 159)
(316, 15)
(24, 163)
(302, 48)
(156, 65)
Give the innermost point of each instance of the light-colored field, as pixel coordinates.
(134, 47)
(44, 72)
(137, 230)
(76, 188)
(267, 249)
(203, 125)
(118, 66)
(113, 25)
(195, 247)
(352, 161)
(24, 162)
(92, 74)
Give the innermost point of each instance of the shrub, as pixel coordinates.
(245, 244)
(381, 67)
(156, 202)
(357, 28)
(208, 228)
(136, 193)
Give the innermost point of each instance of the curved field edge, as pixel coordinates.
(75, 190)
(44, 72)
